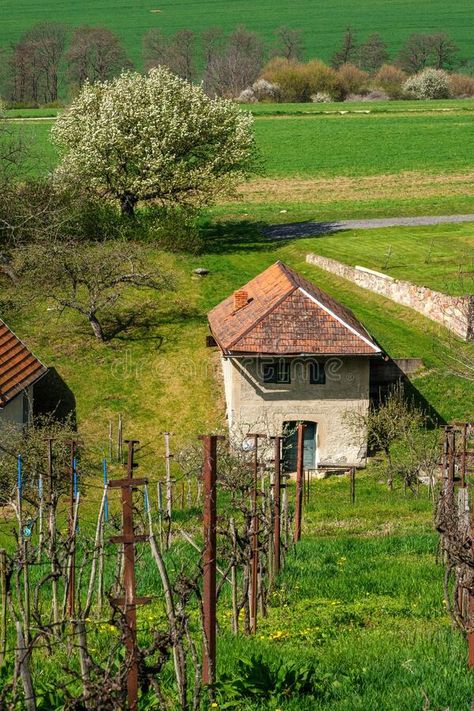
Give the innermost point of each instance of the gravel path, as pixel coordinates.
(310, 229)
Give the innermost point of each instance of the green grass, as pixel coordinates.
(357, 144)
(339, 145)
(32, 113)
(269, 109)
(361, 599)
(323, 23)
(435, 256)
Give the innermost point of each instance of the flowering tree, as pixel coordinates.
(153, 138)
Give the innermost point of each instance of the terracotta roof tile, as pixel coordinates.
(19, 368)
(287, 314)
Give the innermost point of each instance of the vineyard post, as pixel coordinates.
(276, 506)
(24, 549)
(209, 557)
(130, 601)
(52, 531)
(352, 475)
(255, 532)
(3, 605)
(71, 583)
(169, 487)
(299, 481)
(40, 515)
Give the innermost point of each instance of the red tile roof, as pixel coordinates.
(19, 368)
(287, 314)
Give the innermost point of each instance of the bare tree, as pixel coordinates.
(289, 43)
(415, 53)
(212, 42)
(373, 53)
(175, 52)
(348, 52)
(443, 50)
(236, 66)
(95, 54)
(35, 62)
(91, 279)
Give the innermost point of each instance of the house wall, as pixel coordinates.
(252, 403)
(19, 410)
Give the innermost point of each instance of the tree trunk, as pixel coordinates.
(128, 203)
(97, 328)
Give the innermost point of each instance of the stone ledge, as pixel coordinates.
(456, 313)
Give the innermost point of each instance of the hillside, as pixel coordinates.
(323, 21)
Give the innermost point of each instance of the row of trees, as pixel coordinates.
(35, 69)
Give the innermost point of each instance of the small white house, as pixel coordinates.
(19, 371)
(291, 353)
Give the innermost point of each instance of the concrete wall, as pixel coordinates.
(454, 312)
(264, 407)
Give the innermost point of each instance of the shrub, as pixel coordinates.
(461, 85)
(351, 79)
(390, 79)
(264, 90)
(321, 98)
(247, 96)
(298, 82)
(428, 84)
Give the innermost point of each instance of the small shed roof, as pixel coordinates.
(281, 313)
(19, 368)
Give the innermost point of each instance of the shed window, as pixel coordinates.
(317, 374)
(277, 372)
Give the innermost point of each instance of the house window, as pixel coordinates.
(317, 374)
(277, 372)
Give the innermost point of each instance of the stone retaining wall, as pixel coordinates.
(454, 312)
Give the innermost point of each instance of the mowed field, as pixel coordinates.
(322, 22)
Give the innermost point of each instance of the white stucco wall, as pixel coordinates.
(251, 402)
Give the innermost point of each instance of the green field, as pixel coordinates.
(354, 144)
(322, 22)
(366, 145)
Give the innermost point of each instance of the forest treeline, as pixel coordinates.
(50, 62)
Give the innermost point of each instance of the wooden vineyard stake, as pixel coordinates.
(255, 533)
(71, 582)
(129, 602)
(299, 481)
(277, 506)
(209, 557)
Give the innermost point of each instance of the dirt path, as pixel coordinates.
(309, 229)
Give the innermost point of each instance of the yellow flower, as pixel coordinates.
(213, 705)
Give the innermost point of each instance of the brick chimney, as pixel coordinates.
(241, 298)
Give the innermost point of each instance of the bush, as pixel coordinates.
(428, 84)
(391, 80)
(461, 86)
(352, 80)
(247, 97)
(321, 98)
(298, 82)
(264, 90)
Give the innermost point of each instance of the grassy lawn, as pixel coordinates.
(360, 599)
(359, 144)
(323, 23)
(352, 145)
(269, 109)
